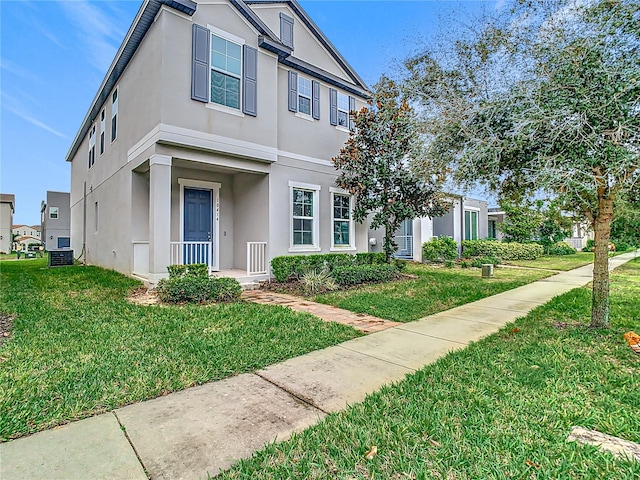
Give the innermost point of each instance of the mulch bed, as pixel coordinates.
(6, 322)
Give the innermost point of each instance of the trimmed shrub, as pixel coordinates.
(198, 289)
(561, 248)
(289, 267)
(501, 250)
(479, 261)
(370, 258)
(621, 245)
(192, 270)
(590, 244)
(440, 250)
(358, 274)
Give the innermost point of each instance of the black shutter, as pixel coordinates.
(333, 106)
(250, 80)
(352, 108)
(286, 30)
(293, 91)
(315, 104)
(200, 63)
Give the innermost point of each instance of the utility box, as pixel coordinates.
(487, 270)
(59, 258)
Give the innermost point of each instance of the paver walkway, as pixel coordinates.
(208, 428)
(360, 321)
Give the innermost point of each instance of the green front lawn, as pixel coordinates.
(436, 289)
(501, 408)
(557, 262)
(78, 347)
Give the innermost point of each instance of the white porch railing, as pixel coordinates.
(405, 246)
(257, 258)
(187, 253)
(575, 242)
(141, 259)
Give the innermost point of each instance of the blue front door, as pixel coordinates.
(198, 223)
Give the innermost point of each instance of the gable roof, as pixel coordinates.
(324, 41)
(266, 39)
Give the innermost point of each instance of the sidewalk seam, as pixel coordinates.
(133, 447)
(341, 345)
(297, 396)
(464, 344)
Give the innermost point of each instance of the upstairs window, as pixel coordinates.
(102, 125)
(53, 213)
(92, 146)
(304, 95)
(226, 72)
(343, 110)
(114, 115)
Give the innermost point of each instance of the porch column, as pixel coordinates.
(159, 216)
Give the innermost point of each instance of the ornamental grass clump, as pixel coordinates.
(318, 281)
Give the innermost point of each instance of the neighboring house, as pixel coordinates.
(26, 241)
(581, 232)
(466, 220)
(495, 216)
(7, 209)
(27, 230)
(55, 218)
(210, 140)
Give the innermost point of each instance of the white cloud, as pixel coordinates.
(13, 105)
(98, 31)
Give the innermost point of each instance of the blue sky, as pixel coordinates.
(54, 55)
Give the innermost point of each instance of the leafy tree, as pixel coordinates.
(374, 165)
(522, 221)
(626, 224)
(543, 96)
(555, 226)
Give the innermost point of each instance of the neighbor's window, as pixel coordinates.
(343, 110)
(53, 212)
(102, 125)
(226, 70)
(114, 115)
(304, 95)
(341, 220)
(470, 225)
(92, 146)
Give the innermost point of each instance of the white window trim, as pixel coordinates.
(239, 41)
(103, 133)
(342, 127)
(114, 112)
(50, 214)
(215, 200)
(306, 116)
(92, 146)
(352, 246)
(471, 210)
(316, 217)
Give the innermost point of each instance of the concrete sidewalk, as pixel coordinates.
(208, 428)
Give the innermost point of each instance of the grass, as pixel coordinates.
(436, 289)
(557, 262)
(79, 348)
(501, 408)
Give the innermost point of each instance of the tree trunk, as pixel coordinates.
(600, 295)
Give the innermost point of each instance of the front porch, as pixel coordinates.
(186, 212)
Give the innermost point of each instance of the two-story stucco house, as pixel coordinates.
(55, 221)
(7, 209)
(210, 140)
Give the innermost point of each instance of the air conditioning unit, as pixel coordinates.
(59, 258)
